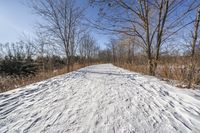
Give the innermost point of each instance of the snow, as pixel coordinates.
(100, 98)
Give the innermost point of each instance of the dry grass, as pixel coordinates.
(9, 83)
(136, 68)
(178, 72)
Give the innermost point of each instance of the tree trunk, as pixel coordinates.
(150, 62)
(68, 66)
(194, 39)
(148, 43)
(68, 61)
(161, 24)
(155, 63)
(72, 63)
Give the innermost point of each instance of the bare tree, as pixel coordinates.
(193, 47)
(152, 22)
(112, 46)
(129, 43)
(88, 48)
(41, 44)
(62, 19)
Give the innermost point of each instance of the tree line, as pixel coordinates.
(153, 25)
(145, 33)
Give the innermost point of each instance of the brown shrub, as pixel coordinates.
(9, 83)
(176, 71)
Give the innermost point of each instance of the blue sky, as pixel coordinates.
(17, 19)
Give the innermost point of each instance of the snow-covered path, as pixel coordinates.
(100, 98)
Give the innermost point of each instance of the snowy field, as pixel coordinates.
(102, 99)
